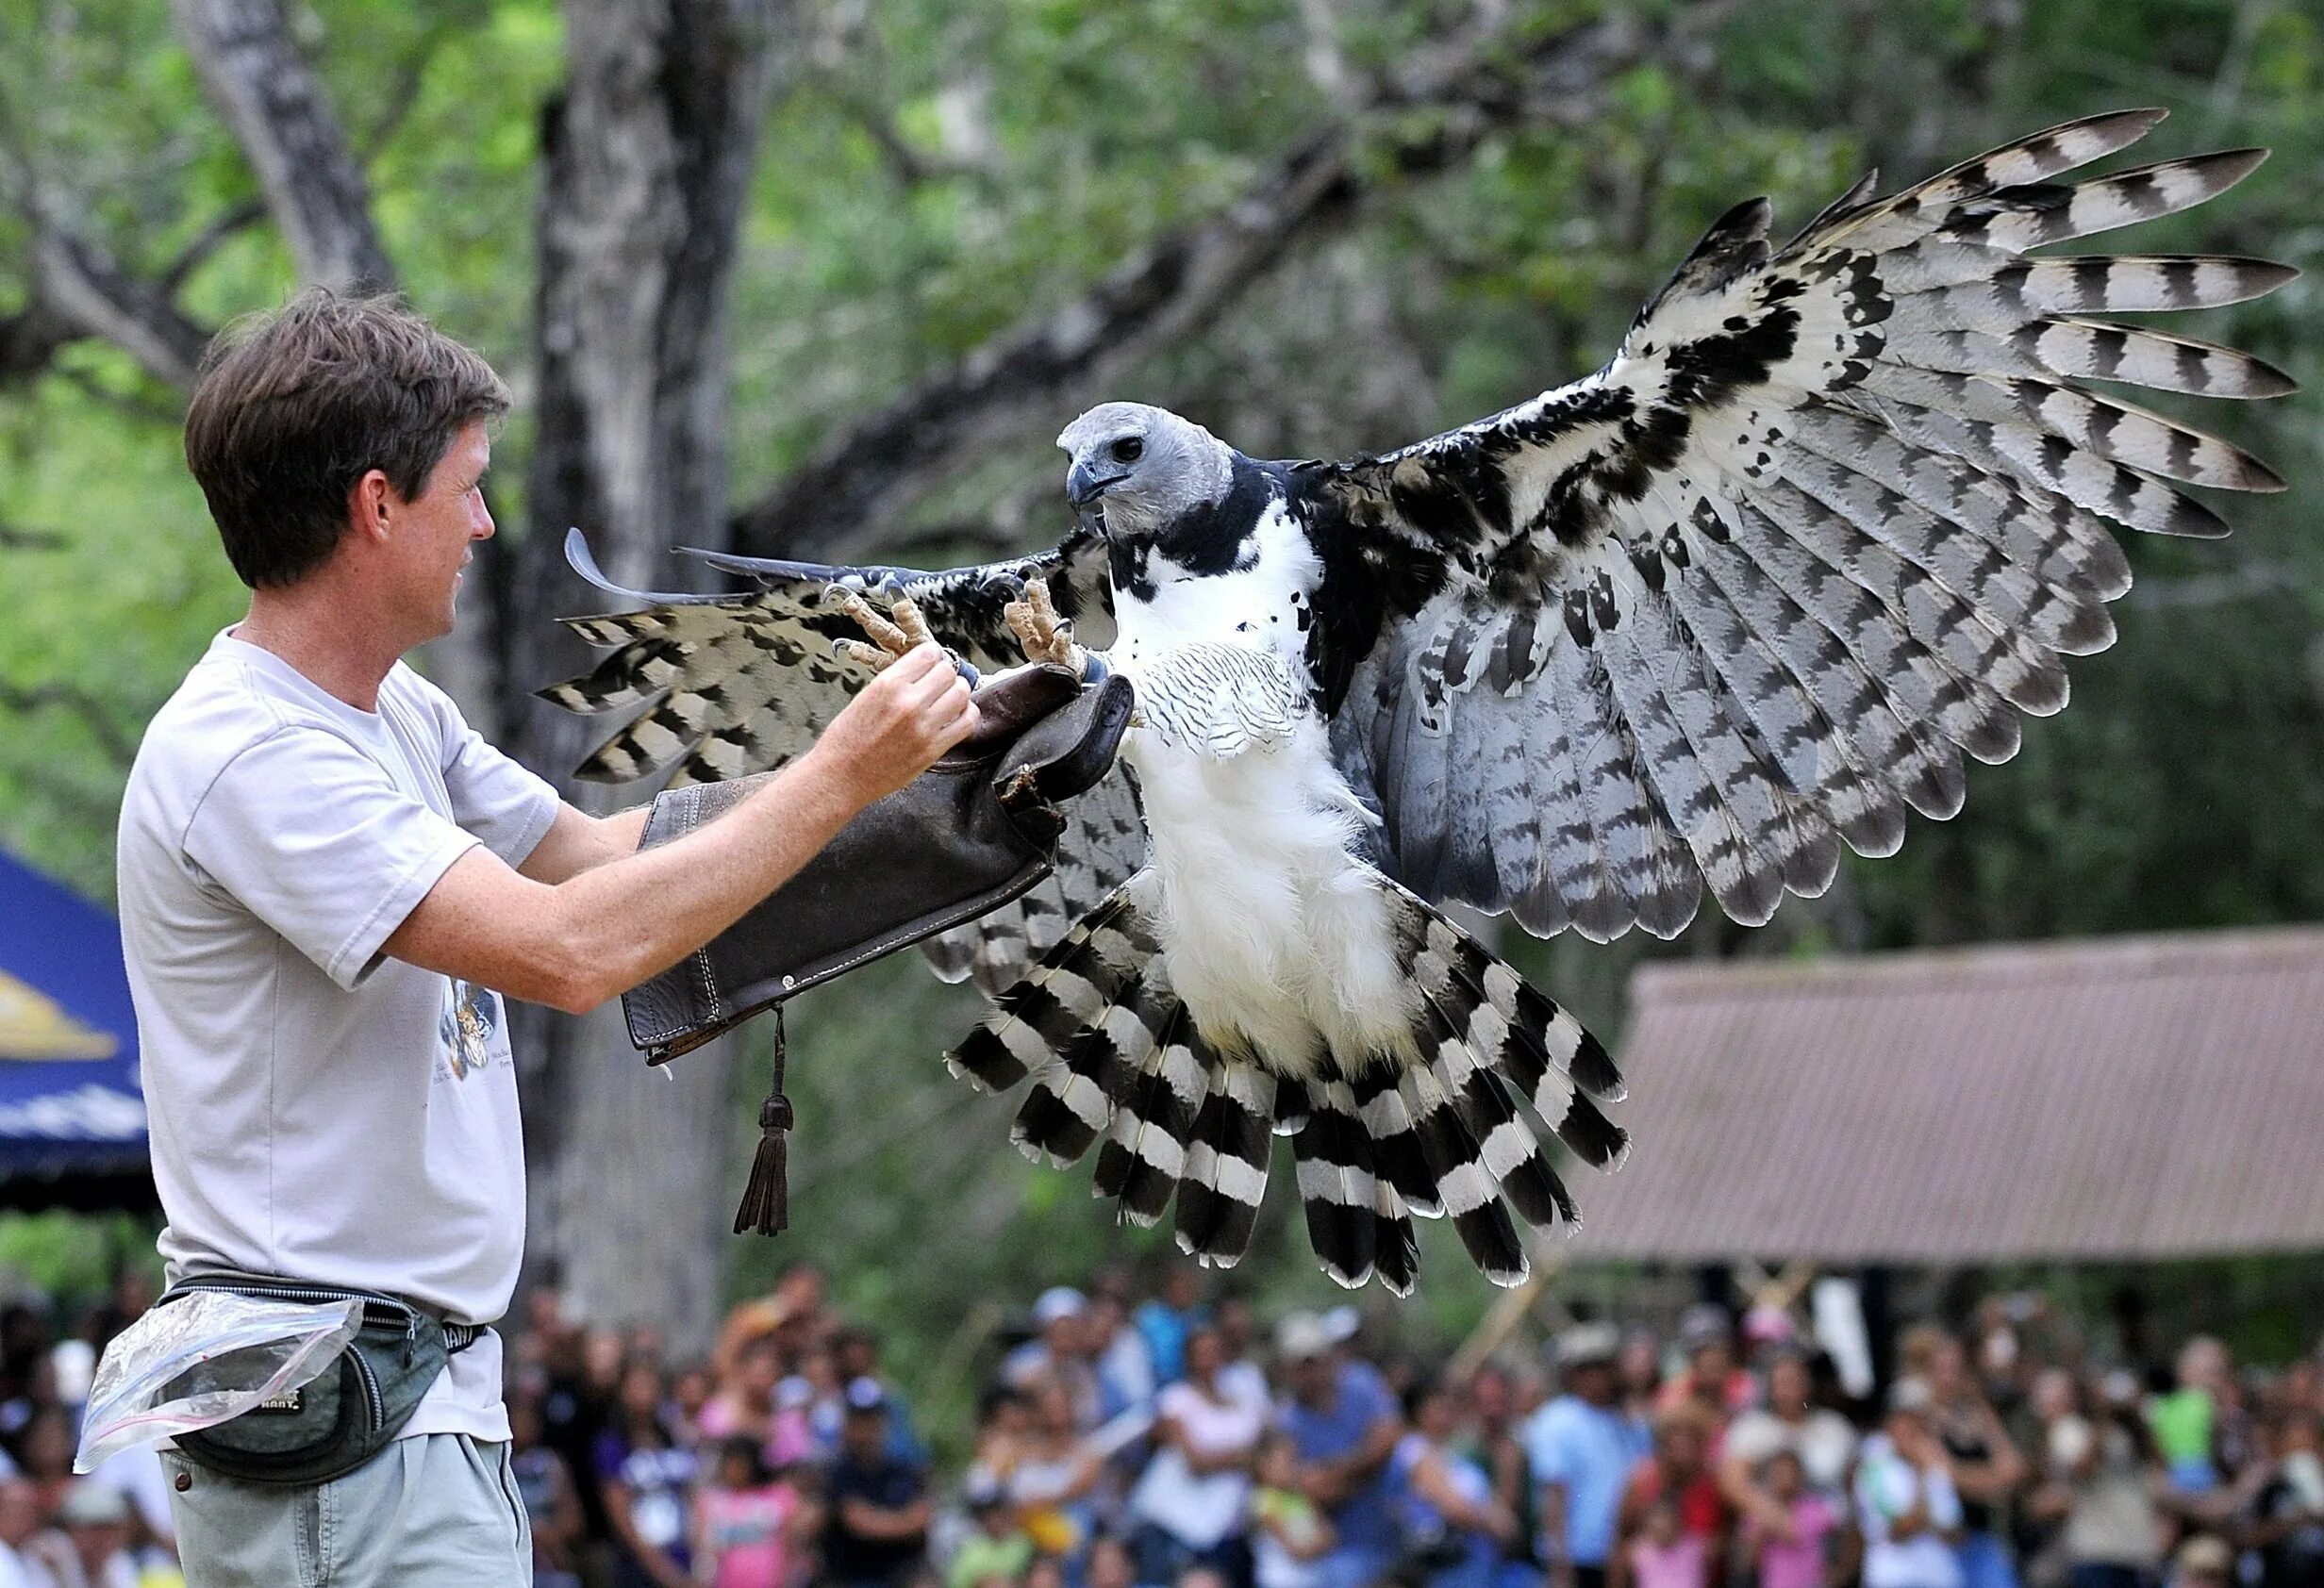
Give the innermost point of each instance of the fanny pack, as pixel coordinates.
(346, 1415)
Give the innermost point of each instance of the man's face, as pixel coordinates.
(432, 534)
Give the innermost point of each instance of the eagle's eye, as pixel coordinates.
(1128, 449)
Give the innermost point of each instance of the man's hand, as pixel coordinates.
(911, 713)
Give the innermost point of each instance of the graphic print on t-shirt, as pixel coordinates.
(472, 1015)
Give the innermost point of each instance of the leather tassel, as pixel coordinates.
(766, 1201)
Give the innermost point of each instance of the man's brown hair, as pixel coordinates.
(295, 406)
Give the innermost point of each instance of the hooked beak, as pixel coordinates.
(1085, 485)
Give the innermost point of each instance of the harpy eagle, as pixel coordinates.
(1829, 519)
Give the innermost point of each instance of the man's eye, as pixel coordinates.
(1129, 450)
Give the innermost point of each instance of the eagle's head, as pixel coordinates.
(1136, 470)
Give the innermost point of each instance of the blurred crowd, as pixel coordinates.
(1165, 1438)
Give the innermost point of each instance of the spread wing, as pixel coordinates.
(732, 684)
(1830, 518)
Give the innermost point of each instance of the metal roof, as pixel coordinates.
(2124, 1097)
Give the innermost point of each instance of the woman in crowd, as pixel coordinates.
(1981, 1460)
(644, 1476)
(1054, 1477)
(2102, 1470)
(1190, 1503)
(1905, 1504)
(1456, 1534)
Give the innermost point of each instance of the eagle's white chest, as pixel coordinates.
(1273, 934)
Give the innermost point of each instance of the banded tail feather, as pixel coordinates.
(1430, 1124)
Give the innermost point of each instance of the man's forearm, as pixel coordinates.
(574, 944)
(638, 916)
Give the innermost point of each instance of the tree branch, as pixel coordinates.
(91, 295)
(1048, 366)
(116, 743)
(275, 107)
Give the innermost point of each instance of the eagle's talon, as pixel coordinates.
(892, 637)
(1043, 636)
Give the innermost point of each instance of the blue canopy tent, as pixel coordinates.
(72, 1117)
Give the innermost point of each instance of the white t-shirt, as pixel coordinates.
(1200, 1510)
(319, 1110)
(1888, 1486)
(1823, 1441)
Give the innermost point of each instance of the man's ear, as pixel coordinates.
(370, 501)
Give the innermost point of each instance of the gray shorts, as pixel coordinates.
(432, 1511)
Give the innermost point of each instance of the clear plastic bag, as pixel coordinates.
(202, 1359)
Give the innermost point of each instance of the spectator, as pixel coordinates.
(2185, 1420)
(750, 1527)
(1189, 1506)
(551, 1499)
(996, 1549)
(1661, 1553)
(44, 1453)
(1345, 1425)
(1711, 1379)
(1110, 1564)
(1639, 1368)
(744, 1401)
(643, 1474)
(1824, 1442)
(1165, 1321)
(20, 1521)
(1455, 1532)
(2101, 1470)
(855, 1354)
(1677, 1474)
(2284, 1522)
(1495, 1445)
(1238, 1332)
(1055, 1479)
(1119, 1358)
(2203, 1562)
(1983, 1461)
(1788, 1538)
(1289, 1536)
(1905, 1504)
(1583, 1446)
(876, 1533)
(95, 1520)
(1059, 1352)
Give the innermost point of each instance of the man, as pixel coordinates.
(328, 883)
(877, 1528)
(1344, 1424)
(1583, 1446)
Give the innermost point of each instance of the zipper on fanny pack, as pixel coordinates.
(408, 1314)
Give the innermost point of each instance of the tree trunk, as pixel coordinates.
(648, 154)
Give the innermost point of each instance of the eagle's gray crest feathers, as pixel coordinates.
(1831, 517)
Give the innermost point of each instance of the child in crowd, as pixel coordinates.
(1794, 1555)
(1288, 1535)
(996, 1549)
(1664, 1554)
(750, 1525)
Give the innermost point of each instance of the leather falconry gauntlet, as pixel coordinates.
(973, 832)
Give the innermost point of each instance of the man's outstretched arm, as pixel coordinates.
(604, 927)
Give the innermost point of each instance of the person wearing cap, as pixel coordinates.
(1058, 1351)
(95, 1519)
(1905, 1503)
(1583, 1446)
(1711, 1379)
(1344, 1423)
(876, 1531)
